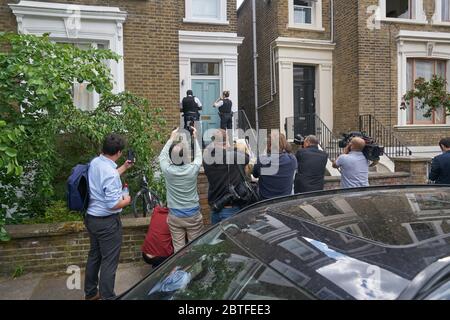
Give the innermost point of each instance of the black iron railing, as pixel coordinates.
(311, 124)
(393, 146)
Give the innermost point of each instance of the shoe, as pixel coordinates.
(96, 297)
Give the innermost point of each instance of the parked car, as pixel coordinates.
(367, 243)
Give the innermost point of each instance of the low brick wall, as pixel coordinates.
(375, 179)
(54, 247)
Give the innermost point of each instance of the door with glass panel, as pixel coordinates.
(206, 86)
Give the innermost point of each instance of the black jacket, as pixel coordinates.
(310, 176)
(440, 169)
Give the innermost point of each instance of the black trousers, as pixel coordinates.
(226, 121)
(105, 235)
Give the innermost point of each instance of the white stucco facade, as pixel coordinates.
(210, 46)
(291, 51)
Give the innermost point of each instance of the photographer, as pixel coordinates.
(225, 105)
(312, 163)
(354, 165)
(221, 164)
(185, 218)
(190, 107)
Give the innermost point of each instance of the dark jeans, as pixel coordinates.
(155, 261)
(226, 121)
(105, 235)
(225, 213)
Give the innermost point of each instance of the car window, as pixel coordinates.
(441, 293)
(214, 268)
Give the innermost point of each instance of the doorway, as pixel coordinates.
(304, 100)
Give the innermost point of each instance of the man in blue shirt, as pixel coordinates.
(354, 165)
(103, 220)
(440, 166)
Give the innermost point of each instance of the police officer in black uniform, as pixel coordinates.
(225, 111)
(190, 107)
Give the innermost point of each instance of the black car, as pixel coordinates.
(368, 243)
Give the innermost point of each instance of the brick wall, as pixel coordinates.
(150, 45)
(345, 71)
(378, 72)
(37, 248)
(266, 21)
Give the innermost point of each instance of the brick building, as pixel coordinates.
(167, 46)
(344, 59)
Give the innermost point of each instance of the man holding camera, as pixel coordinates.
(224, 167)
(225, 105)
(440, 166)
(190, 107)
(312, 163)
(185, 218)
(354, 165)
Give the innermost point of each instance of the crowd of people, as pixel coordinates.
(229, 169)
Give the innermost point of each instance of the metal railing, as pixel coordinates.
(384, 136)
(311, 124)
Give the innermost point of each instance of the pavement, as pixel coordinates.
(57, 286)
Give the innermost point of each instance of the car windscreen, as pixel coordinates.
(392, 217)
(214, 267)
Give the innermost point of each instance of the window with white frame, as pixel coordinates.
(206, 11)
(424, 68)
(445, 10)
(305, 14)
(403, 10)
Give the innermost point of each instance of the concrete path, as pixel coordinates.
(51, 286)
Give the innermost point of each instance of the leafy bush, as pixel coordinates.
(36, 82)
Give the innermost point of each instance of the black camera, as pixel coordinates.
(372, 151)
(299, 140)
(236, 195)
(189, 120)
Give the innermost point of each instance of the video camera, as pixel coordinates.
(299, 140)
(372, 151)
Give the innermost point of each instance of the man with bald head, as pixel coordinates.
(353, 165)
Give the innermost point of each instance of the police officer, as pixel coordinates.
(190, 107)
(225, 110)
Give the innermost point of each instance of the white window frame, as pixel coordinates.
(221, 20)
(437, 17)
(96, 25)
(316, 17)
(419, 14)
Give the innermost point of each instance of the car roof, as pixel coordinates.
(399, 230)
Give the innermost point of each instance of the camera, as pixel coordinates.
(236, 195)
(299, 140)
(189, 120)
(131, 156)
(372, 151)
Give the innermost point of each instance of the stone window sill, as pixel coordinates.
(413, 127)
(405, 21)
(441, 23)
(205, 21)
(305, 27)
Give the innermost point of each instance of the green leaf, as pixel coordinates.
(10, 152)
(10, 168)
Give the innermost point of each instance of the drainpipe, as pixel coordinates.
(332, 20)
(255, 67)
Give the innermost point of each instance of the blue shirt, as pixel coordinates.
(354, 170)
(276, 175)
(105, 187)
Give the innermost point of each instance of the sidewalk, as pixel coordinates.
(51, 286)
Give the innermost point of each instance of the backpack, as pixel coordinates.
(78, 188)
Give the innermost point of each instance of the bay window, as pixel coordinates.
(424, 68)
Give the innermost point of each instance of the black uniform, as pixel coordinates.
(226, 114)
(190, 110)
(312, 164)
